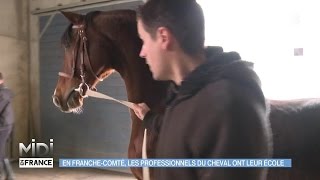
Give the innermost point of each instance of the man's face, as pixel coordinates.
(152, 50)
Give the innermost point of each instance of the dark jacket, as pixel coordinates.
(219, 111)
(6, 110)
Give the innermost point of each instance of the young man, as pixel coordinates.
(6, 123)
(215, 108)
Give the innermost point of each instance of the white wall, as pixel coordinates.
(14, 62)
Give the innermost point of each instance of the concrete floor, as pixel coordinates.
(68, 174)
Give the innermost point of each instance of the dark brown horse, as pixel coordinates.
(97, 44)
(100, 42)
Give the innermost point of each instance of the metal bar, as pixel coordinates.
(80, 6)
(47, 25)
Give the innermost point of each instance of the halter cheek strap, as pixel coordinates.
(85, 64)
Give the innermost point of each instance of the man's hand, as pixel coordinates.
(141, 110)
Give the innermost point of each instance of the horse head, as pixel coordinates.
(96, 44)
(79, 72)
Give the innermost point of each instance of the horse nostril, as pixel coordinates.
(55, 100)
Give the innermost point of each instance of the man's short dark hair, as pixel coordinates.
(1, 77)
(184, 19)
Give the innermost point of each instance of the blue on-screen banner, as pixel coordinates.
(214, 163)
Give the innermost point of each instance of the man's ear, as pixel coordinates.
(165, 37)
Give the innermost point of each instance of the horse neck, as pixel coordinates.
(138, 79)
(139, 83)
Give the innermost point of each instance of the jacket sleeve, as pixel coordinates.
(3, 105)
(152, 121)
(3, 101)
(233, 127)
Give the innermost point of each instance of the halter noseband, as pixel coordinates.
(84, 61)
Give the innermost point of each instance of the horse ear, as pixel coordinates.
(74, 18)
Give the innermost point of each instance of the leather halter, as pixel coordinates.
(81, 49)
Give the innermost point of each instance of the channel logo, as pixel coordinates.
(40, 156)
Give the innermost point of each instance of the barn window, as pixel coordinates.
(280, 36)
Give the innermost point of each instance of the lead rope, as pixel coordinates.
(145, 170)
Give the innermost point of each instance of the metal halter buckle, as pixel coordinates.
(82, 89)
